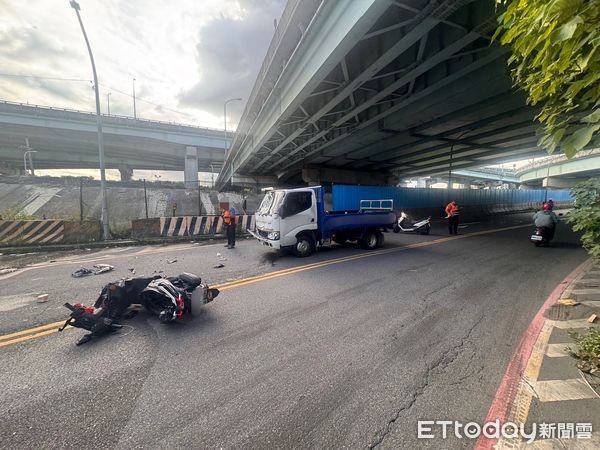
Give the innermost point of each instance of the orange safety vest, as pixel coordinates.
(451, 210)
(227, 219)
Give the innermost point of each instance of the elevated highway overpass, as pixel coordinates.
(560, 172)
(68, 139)
(407, 87)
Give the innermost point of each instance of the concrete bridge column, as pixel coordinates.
(190, 173)
(126, 173)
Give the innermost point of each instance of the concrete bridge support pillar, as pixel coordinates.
(190, 174)
(126, 173)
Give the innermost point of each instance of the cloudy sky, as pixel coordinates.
(187, 56)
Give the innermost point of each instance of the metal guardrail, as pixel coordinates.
(126, 121)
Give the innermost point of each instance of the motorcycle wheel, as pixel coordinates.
(426, 230)
(396, 229)
(537, 243)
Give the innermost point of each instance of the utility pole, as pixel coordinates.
(81, 199)
(104, 213)
(145, 198)
(134, 111)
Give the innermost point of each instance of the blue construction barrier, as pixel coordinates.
(490, 200)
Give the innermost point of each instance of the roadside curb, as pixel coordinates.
(110, 244)
(542, 383)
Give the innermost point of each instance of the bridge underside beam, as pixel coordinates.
(421, 84)
(317, 176)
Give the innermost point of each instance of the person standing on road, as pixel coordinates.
(229, 219)
(452, 211)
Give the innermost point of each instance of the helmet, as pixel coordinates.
(547, 206)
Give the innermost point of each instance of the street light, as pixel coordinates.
(225, 119)
(134, 112)
(104, 214)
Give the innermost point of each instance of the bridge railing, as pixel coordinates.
(39, 110)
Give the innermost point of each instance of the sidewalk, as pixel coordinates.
(553, 393)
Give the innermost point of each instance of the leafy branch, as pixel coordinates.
(556, 60)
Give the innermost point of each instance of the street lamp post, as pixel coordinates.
(225, 120)
(104, 213)
(134, 111)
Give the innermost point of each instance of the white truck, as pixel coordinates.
(297, 219)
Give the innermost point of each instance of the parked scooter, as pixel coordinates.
(167, 298)
(403, 224)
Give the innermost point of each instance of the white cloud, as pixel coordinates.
(187, 56)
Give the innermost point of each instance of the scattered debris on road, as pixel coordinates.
(218, 266)
(132, 270)
(96, 269)
(171, 261)
(592, 318)
(43, 298)
(7, 270)
(269, 258)
(567, 302)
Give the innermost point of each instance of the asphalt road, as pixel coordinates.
(347, 354)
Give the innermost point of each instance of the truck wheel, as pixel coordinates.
(369, 240)
(304, 246)
(380, 239)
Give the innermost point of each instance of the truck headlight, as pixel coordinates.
(273, 235)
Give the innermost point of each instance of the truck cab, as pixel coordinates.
(296, 219)
(285, 214)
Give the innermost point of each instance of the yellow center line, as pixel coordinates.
(50, 328)
(31, 330)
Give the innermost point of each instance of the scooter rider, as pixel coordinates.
(546, 218)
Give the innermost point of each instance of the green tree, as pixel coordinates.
(585, 216)
(556, 60)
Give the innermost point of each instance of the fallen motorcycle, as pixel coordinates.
(167, 298)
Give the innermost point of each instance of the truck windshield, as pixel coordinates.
(271, 202)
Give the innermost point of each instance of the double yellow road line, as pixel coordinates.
(44, 330)
(31, 333)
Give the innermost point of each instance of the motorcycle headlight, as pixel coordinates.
(274, 235)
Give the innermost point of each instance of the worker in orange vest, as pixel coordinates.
(229, 219)
(452, 211)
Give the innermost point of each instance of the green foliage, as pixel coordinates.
(585, 216)
(15, 214)
(588, 349)
(556, 60)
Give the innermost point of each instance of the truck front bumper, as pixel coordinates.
(265, 241)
